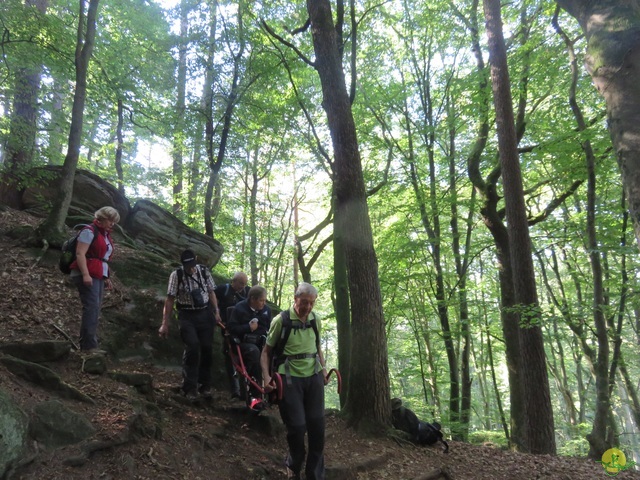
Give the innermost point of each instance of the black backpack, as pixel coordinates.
(68, 253)
(287, 325)
(421, 433)
(232, 297)
(430, 433)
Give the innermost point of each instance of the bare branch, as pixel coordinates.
(301, 29)
(301, 55)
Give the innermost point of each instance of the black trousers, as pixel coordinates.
(302, 411)
(196, 331)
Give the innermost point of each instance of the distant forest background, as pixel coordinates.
(375, 149)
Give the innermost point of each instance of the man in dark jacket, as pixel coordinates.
(249, 324)
(229, 295)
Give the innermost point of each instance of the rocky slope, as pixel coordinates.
(135, 432)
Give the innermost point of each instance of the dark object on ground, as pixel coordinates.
(421, 433)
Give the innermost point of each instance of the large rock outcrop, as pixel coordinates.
(150, 226)
(160, 232)
(90, 192)
(14, 426)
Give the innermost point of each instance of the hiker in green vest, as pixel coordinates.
(301, 363)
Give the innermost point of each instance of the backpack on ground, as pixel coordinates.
(430, 433)
(68, 250)
(421, 433)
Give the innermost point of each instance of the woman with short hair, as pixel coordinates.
(90, 273)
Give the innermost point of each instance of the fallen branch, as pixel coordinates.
(66, 335)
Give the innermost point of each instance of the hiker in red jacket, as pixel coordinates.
(90, 273)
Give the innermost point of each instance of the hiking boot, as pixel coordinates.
(93, 351)
(293, 475)
(206, 392)
(191, 395)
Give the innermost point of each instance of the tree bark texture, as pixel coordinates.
(612, 30)
(539, 435)
(368, 403)
(56, 125)
(21, 143)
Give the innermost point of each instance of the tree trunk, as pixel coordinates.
(209, 133)
(57, 125)
(23, 127)
(488, 191)
(210, 211)
(368, 400)
(613, 61)
(52, 228)
(119, 141)
(480, 368)
(494, 382)
(431, 225)
(539, 432)
(252, 223)
(636, 312)
(465, 367)
(632, 393)
(343, 314)
(179, 130)
(462, 262)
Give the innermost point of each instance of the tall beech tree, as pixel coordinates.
(236, 47)
(492, 216)
(369, 375)
(52, 229)
(539, 435)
